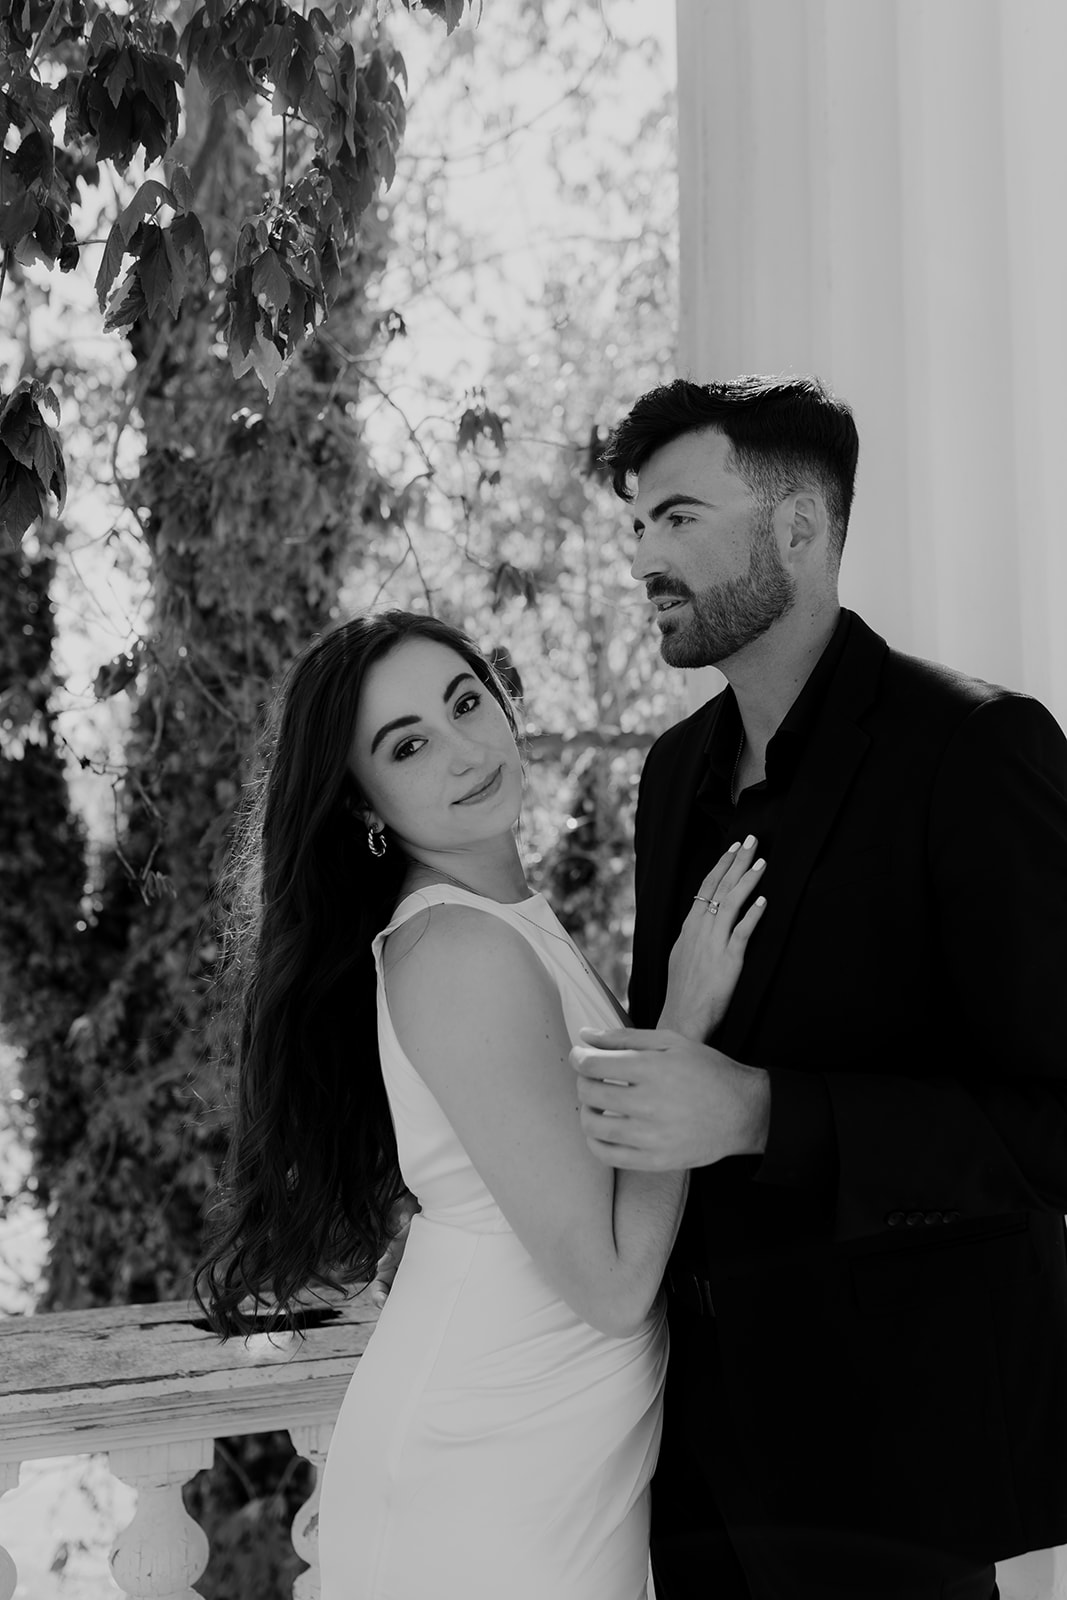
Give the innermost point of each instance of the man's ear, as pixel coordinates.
(807, 518)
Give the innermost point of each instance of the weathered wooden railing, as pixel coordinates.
(153, 1387)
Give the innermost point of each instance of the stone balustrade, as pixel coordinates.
(153, 1387)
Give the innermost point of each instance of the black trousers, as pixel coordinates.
(712, 1539)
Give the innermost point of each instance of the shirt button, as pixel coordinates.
(913, 1218)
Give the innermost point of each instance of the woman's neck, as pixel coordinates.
(496, 875)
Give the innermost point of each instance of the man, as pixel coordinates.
(867, 1393)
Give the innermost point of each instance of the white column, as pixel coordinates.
(162, 1552)
(869, 191)
(312, 1442)
(9, 1477)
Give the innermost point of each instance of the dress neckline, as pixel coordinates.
(455, 888)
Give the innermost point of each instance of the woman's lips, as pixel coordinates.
(484, 791)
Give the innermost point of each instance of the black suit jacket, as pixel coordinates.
(890, 1278)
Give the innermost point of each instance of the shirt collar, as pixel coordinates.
(787, 742)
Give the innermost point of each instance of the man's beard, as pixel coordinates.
(729, 616)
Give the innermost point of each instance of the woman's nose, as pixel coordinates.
(465, 751)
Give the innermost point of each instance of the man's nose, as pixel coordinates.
(646, 561)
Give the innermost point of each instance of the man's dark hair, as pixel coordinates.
(785, 434)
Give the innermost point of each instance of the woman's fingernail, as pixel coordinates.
(761, 900)
(757, 866)
(735, 846)
(750, 841)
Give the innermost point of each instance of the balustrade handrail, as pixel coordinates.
(72, 1382)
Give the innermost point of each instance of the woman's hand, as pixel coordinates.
(400, 1214)
(708, 954)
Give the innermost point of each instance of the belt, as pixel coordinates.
(689, 1291)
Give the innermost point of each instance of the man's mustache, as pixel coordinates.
(656, 588)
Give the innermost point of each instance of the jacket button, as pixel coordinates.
(952, 1216)
(913, 1218)
(934, 1216)
(895, 1218)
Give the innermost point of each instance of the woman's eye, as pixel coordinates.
(468, 702)
(406, 748)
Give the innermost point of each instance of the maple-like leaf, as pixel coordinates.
(31, 457)
(153, 268)
(244, 312)
(21, 500)
(18, 219)
(261, 357)
(34, 160)
(127, 303)
(114, 676)
(270, 280)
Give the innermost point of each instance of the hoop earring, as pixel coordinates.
(376, 842)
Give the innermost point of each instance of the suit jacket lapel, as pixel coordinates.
(661, 835)
(831, 758)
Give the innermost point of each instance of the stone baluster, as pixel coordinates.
(311, 1442)
(9, 1477)
(163, 1551)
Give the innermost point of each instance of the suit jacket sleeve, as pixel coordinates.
(990, 1133)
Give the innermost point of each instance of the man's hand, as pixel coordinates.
(653, 1100)
(400, 1217)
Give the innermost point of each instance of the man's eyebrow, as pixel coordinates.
(407, 722)
(669, 504)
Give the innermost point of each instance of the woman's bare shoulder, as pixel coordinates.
(450, 942)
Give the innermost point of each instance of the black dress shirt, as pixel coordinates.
(800, 1148)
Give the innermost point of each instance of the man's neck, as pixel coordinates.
(768, 676)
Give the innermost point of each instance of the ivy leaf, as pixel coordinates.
(147, 201)
(119, 76)
(21, 500)
(244, 314)
(476, 420)
(110, 262)
(153, 268)
(450, 10)
(34, 158)
(181, 188)
(127, 304)
(18, 219)
(114, 676)
(31, 457)
(263, 358)
(187, 235)
(28, 253)
(270, 279)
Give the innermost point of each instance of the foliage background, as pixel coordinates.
(434, 447)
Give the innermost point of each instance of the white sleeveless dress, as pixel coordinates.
(491, 1444)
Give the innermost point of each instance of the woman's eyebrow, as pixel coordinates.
(407, 722)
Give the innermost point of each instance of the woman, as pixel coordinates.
(500, 1432)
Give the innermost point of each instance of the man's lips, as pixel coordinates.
(484, 788)
(664, 598)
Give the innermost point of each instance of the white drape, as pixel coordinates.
(875, 190)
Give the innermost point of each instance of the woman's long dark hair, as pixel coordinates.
(311, 1171)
